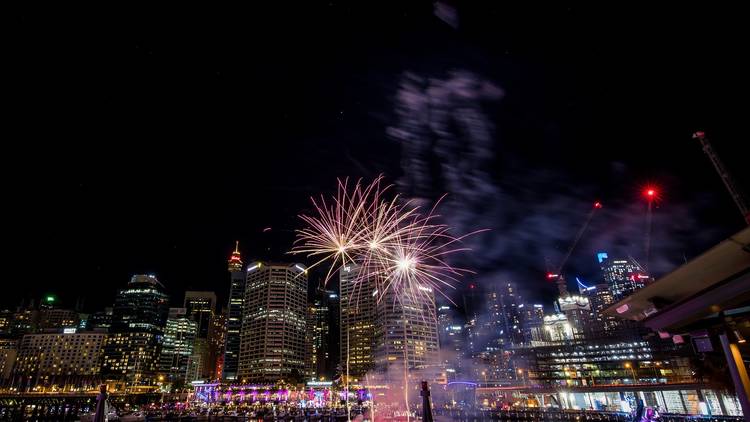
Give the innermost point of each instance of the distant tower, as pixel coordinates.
(234, 314)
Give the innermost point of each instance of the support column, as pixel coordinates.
(739, 373)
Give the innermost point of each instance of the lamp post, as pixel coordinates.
(632, 371)
(656, 372)
(523, 376)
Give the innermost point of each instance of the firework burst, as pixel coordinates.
(388, 240)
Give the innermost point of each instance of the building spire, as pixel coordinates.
(235, 261)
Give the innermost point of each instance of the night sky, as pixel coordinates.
(148, 141)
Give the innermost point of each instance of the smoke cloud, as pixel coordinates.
(449, 145)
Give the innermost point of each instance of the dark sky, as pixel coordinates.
(143, 140)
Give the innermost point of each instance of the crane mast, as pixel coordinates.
(734, 192)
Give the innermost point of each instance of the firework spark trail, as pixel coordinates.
(403, 250)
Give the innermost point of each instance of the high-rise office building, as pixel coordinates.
(177, 348)
(217, 337)
(406, 330)
(131, 352)
(532, 322)
(503, 303)
(577, 311)
(272, 346)
(452, 341)
(200, 307)
(357, 308)
(601, 298)
(60, 359)
(234, 315)
(623, 275)
(320, 362)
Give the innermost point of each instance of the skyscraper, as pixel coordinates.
(234, 315)
(320, 361)
(623, 275)
(132, 348)
(200, 307)
(452, 341)
(273, 324)
(179, 338)
(217, 337)
(532, 322)
(357, 329)
(406, 330)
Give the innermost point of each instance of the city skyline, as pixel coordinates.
(328, 210)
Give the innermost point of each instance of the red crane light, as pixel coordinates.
(651, 193)
(597, 204)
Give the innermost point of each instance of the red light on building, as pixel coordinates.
(597, 204)
(550, 275)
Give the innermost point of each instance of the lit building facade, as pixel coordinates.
(532, 322)
(601, 298)
(577, 310)
(234, 315)
(6, 322)
(177, 348)
(69, 359)
(357, 329)
(406, 330)
(217, 337)
(8, 353)
(133, 346)
(319, 362)
(603, 363)
(100, 319)
(200, 307)
(25, 321)
(452, 342)
(623, 275)
(56, 319)
(272, 346)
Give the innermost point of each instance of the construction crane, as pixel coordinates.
(558, 274)
(734, 192)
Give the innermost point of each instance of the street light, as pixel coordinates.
(656, 372)
(520, 372)
(632, 371)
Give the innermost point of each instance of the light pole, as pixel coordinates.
(656, 372)
(523, 376)
(632, 371)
